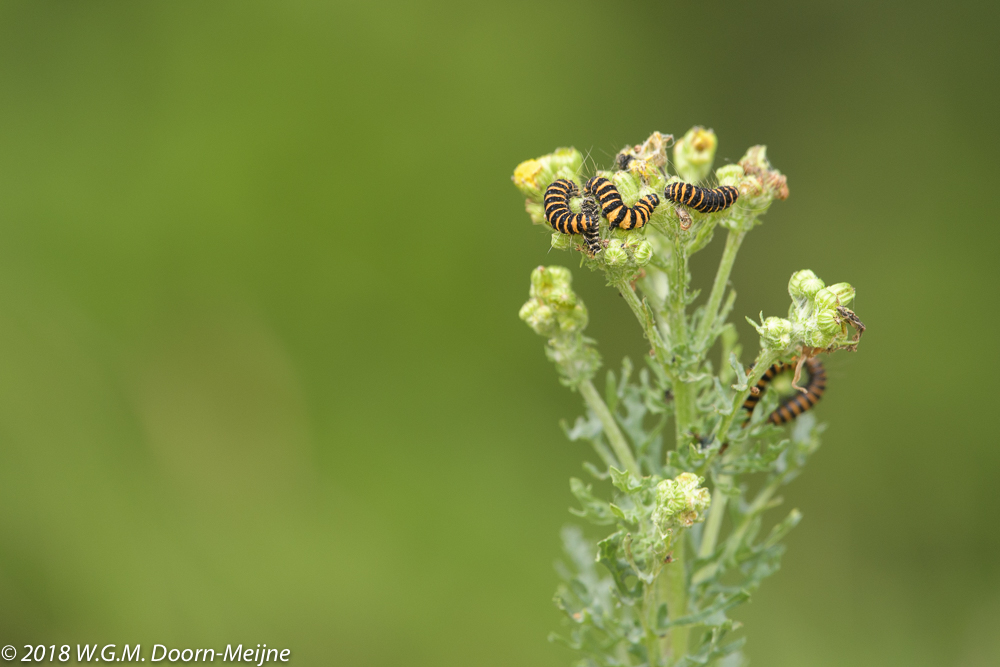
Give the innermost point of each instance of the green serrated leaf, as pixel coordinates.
(593, 509)
(739, 371)
(625, 481)
(610, 554)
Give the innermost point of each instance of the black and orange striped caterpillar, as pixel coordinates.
(702, 199)
(615, 210)
(562, 219)
(792, 407)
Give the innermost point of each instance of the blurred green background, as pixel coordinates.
(261, 373)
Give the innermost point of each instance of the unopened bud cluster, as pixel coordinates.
(554, 309)
(680, 503)
(813, 318)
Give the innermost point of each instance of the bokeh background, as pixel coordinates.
(261, 374)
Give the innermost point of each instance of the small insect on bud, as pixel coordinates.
(694, 153)
(615, 255)
(643, 253)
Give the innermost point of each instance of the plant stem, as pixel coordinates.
(615, 437)
(716, 512)
(677, 322)
(645, 318)
(675, 593)
(733, 242)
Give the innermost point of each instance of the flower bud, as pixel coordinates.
(680, 503)
(828, 324)
(554, 308)
(526, 177)
(755, 163)
(546, 279)
(776, 333)
(804, 285)
(561, 241)
(615, 255)
(731, 174)
(643, 253)
(532, 177)
(539, 317)
(694, 153)
(829, 298)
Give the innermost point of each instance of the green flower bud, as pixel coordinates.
(775, 333)
(643, 253)
(804, 285)
(615, 255)
(828, 323)
(694, 153)
(829, 298)
(731, 174)
(561, 241)
(540, 317)
(546, 279)
(554, 308)
(680, 503)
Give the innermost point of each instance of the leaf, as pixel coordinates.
(594, 510)
(741, 374)
(783, 528)
(592, 469)
(628, 516)
(724, 603)
(625, 481)
(608, 551)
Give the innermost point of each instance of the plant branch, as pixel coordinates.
(615, 437)
(733, 241)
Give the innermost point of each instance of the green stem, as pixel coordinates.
(677, 322)
(716, 512)
(733, 242)
(675, 594)
(615, 437)
(645, 318)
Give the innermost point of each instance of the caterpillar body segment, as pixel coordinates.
(562, 219)
(794, 406)
(615, 210)
(702, 200)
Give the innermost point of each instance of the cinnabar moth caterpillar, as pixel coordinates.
(562, 219)
(792, 407)
(615, 210)
(702, 199)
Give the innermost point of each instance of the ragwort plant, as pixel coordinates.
(657, 589)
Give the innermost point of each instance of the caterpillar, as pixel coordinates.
(796, 405)
(702, 199)
(615, 210)
(562, 219)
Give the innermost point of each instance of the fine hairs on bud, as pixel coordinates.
(691, 475)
